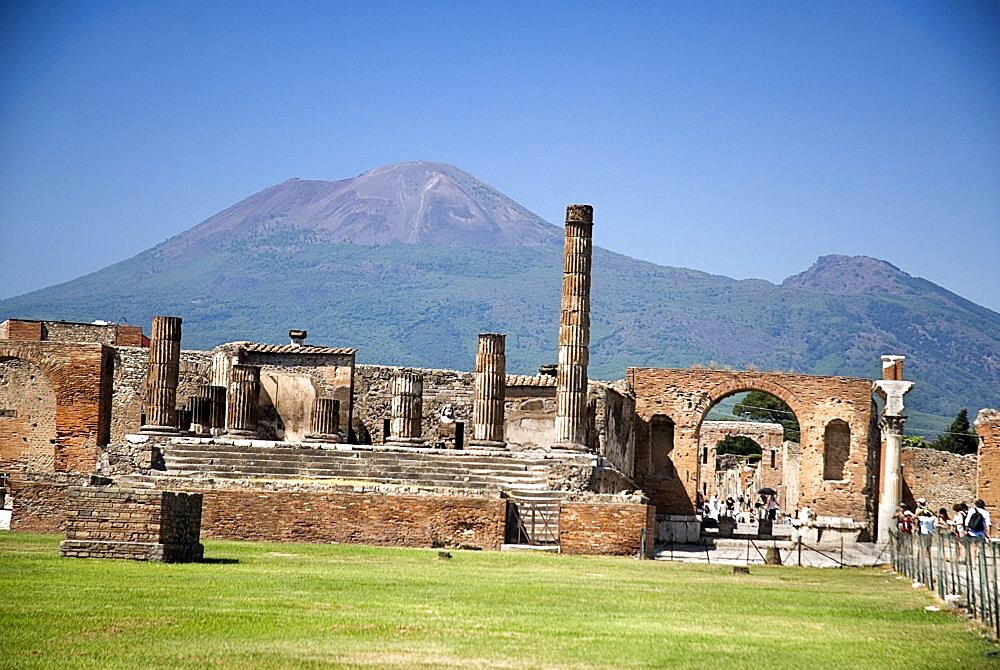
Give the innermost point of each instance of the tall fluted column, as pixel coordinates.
(490, 392)
(325, 423)
(890, 495)
(161, 375)
(407, 408)
(574, 331)
(244, 392)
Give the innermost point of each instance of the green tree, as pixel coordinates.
(911, 441)
(959, 438)
(761, 406)
(739, 445)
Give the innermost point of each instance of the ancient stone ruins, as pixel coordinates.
(136, 448)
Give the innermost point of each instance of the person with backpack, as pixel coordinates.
(978, 521)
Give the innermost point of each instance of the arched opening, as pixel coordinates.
(661, 445)
(748, 444)
(27, 416)
(836, 450)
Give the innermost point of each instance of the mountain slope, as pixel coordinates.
(425, 281)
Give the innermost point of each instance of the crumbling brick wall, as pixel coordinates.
(79, 376)
(606, 528)
(40, 501)
(685, 396)
(112, 334)
(988, 471)
(941, 477)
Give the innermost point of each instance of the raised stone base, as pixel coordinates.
(158, 430)
(323, 437)
(406, 442)
(487, 445)
(138, 551)
(568, 446)
(678, 528)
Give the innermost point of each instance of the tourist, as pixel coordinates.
(772, 507)
(730, 507)
(942, 523)
(925, 517)
(805, 515)
(978, 521)
(960, 509)
(906, 523)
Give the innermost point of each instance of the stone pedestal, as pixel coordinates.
(217, 407)
(490, 392)
(161, 376)
(574, 331)
(325, 423)
(407, 409)
(242, 398)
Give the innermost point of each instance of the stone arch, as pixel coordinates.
(836, 449)
(744, 384)
(27, 414)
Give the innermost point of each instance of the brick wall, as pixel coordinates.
(685, 396)
(941, 477)
(79, 377)
(67, 331)
(605, 528)
(14, 329)
(392, 520)
(110, 522)
(988, 473)
(40, 503)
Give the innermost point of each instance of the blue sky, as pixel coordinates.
(744, 139)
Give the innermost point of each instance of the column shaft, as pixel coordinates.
(242, 398)
(407, 410)
(162, 375)
(490, 393)
(325, 422)
(574, 330)
(889, 496)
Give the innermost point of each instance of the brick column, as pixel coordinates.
(244, 392)
(325, 424)
(988, 468)
(407, 409)
(490, 391)
(574, 331)
(161, 375)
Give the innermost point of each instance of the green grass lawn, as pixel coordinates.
(292, 605)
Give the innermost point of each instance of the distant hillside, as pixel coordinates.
(407, 263)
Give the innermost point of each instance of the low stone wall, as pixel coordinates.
(108, 522)
(940, 476)
(605, 528)
(40, 502)
(391, 520)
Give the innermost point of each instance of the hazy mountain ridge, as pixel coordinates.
(419, 289)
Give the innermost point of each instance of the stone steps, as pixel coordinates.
(402, 468)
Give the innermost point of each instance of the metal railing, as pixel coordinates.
(962, 569)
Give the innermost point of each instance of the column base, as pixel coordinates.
(158, 430)
(486, 445)
(568, 446)
(240, 435)
(406, 442)
(323, 437)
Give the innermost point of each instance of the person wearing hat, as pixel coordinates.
(925, 517)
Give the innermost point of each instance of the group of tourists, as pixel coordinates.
(741, 509)
(963, 522)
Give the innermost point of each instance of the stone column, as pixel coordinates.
(161, 376)
(490, 392)
(891, 388)
(201, 414)
(217, 407)
(244, 392)
(183, 419)
(325, 422)
(890, 494)
(574, 331)
(407, 409)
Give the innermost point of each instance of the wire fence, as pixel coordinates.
(963, 570)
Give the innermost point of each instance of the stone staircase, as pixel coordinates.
(357, 465)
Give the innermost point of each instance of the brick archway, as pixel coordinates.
(80, 376)
(687, 395)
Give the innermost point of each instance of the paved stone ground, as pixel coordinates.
(754, 552)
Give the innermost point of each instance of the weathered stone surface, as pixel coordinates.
(606, 528)
(490, 391)
(941, 477)
(988, 473)
(406, 418)
(574, 331)
(242, 398)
